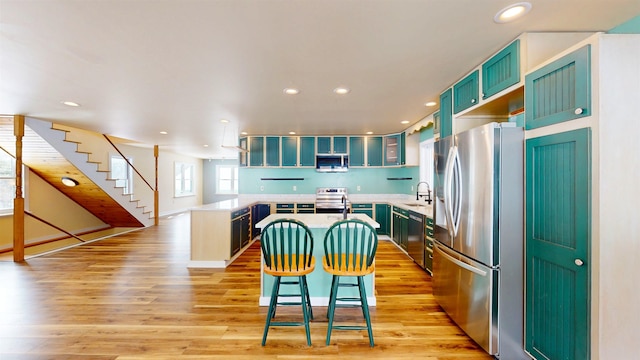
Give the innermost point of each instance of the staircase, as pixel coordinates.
(49, 153)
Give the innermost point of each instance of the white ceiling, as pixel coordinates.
(141, 67)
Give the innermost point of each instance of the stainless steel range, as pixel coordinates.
(332, 200)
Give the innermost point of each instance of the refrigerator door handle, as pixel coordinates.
(456, 176)
(461, 264)
(448, 191)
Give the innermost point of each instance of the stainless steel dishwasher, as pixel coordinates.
(415, 247)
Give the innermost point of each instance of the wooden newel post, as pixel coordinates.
(18, 201)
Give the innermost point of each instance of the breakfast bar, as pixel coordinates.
(319, 281)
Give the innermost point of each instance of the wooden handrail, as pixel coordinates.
(127, 160)
(53, 226)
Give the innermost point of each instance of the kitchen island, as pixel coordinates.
(319, 281)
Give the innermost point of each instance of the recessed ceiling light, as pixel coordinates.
(292, 132)
(205, 145)
(404, 122)
(163, 132)
(430, 103)
(369, 132)
(71, 103)
(244, 133)
(512, 12)
(224, 121)
(341, 90)
(291, 91)
(70, 182)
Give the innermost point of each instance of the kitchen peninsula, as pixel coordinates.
(319, 281)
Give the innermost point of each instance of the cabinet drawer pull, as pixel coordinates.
(473, 101)
(578, 111)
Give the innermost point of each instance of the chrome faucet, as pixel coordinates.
(426, 195)
(344, 207)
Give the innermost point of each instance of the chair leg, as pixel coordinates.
(335, 282)
(272, 308)
(365, 309)
(304, 305)
(306, 287)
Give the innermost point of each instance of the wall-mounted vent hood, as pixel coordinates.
(332, 163)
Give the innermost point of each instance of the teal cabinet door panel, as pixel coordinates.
(273, 151)
(289, 151)
(402, 149)
(446, 113)
(324, 145)
(501, 71)
(436, 123)
(392, 150)
(383, 213)
(465, 92)
(339, 144)
(356, 151)
(256, 151)
(307, 151)
(558, 237)
(559, 91)
(374, 151)
(243, 143)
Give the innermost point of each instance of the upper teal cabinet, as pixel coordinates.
(332, 145)
(356, 151)
(307, 151)
(394, 153)
(465, 92)
(436, 123)
(256, 151)
(243, 142)
(446, 113)
(501, 71)
(273, 151)
(559, 91)
(289, 151)
(374, 151)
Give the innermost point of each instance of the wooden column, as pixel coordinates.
(18, 202)
(156, 194)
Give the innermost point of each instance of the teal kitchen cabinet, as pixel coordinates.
(501, 70)
(465, 92)
(446, 113)
(557, 235)
(374, 151)
(401, 227)
(305, 208)
(332, 145)
(383, 217)
(240, 229)
(428, 244)
(243, 142)
(289, 151)
(436, 123)
(394, 151)
(256, 151)
(362, 208)
(308, 151)
(356, 151)
(273, 151)
(559, 91)
(258, 212)
(285, 208)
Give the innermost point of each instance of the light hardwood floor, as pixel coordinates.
(133, 297)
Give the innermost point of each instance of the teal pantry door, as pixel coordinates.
(558, 236)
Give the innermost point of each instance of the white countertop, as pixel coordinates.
(316, 220)
(404, 201)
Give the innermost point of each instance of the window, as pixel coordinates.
(7, 182)
(184, 182)
(426, 162)
(122, 173)
(227, 179)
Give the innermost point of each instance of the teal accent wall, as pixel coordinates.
(426, 133)
(630, 27)
(370, 180)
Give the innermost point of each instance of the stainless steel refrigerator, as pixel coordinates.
(478, 260)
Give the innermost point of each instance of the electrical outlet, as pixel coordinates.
(261, 187)
(295, 188)
(358, 187)
(411, 187)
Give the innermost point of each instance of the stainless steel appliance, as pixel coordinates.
(478, 256)
(332, 200)
(415, 246)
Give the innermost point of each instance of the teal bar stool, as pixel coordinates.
(287, 248)
(350, 248)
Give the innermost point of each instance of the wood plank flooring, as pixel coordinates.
(133, 297)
